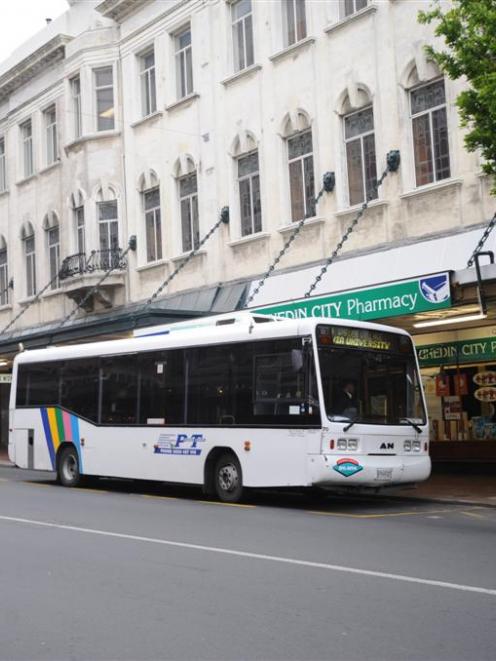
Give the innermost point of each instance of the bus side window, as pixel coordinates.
(119, 396)
(38, 384)
(79, 387)
(161, 387)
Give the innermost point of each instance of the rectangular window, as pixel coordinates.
(352, 6)
(75, 84)
(54, 255)
(151, 203)
(162, 388)
(4, 278)
(301, 176)
(249, 194)
(242, 33)
(30, 257)
(80, 387)
(109, 234)
(104, 90)
(27, 148)
(119, 390)
(360, 156)
(3, 166)
(39, 384)
(50, 122)
(188, 198)
(148, 85)
(295, 22)
(430, 133)
(184, 64)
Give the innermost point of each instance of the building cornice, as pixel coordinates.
(119, 9)
(51, 52)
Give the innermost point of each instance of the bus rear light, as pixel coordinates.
(332, 443)
(426, 446)
(247, 446)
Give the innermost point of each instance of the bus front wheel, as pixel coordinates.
(68, 468)
(228, 478)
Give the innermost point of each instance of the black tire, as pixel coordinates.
(68, 474)
(228, 479)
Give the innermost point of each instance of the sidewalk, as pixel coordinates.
(460, 484)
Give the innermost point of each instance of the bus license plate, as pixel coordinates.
(384, 474)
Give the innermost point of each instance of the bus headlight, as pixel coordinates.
(342, 444)
(352, 444)
(416, 446)
(407, 446)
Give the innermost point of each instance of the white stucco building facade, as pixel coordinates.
(139, 118)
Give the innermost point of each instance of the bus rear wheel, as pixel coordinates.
(228, 479)
(68, 468)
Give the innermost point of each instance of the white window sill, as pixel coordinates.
(428, 188)
(241, 74)
(315, 220)
(185, 101)
(52, 166)
(292, 50)
(152, 265)
(369, 9)
(27, 301)
(249, 238)
(4, 308)
(4, 192)
(26, 180)
(98, 135)
(356, 208)
(53, 292)
(185, 255)
(148, 118)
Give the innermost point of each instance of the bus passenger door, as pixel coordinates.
(22, 452)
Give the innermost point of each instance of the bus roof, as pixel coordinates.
(235, 327)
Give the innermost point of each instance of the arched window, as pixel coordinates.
(149, 187)
(51, 227)
(27, 237)
(245, 151)
(77, 200)
(427, 101)
(4, 273)
(297, 132)
(359, 138)
(108, 227)
(187, 189)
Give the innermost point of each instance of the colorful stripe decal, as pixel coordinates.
(60, 427)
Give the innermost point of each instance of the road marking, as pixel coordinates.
(476, 516)
(381, 515)
(213, 502)
(254, 556)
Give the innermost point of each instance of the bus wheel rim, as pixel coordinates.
(228, 477)
(70, 468)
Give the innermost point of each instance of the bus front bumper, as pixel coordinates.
(368, 471)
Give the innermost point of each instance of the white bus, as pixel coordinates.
(227, 402)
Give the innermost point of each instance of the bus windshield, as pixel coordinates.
(369, 376)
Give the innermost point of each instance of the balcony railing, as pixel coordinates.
(98, 260)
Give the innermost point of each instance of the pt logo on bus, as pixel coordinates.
(179, 444)
(347, 467)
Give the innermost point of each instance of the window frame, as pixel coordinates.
(3, 164)
(30, 264)
(183, 57)
(429, 112)
(79, 229)
(360, 137)
(75, 88)
(346, 14)
(189, 200)
(27, 147)
(100, 120)
(53, 255)
(4, 276)
(249, 177)
(289, 9)
(153, 214)
(50, 130)
(241, 60)
(303, 159)
(148, 83)
(110, 255)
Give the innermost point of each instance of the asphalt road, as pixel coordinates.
(120, 570)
